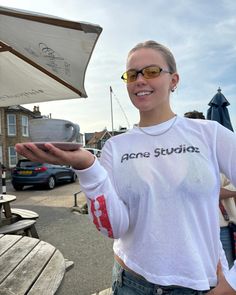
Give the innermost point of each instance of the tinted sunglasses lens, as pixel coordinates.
(148, 73)
(129, 76)
(151, 72)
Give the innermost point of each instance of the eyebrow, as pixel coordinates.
(151, 65)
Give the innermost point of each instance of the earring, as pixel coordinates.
(173, 89)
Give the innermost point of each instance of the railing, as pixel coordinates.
(75, 198)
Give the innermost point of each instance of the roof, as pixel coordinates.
(98, 136)
(20, 108)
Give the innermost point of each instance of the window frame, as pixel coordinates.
(10, 156)
(24, 127)
(11, 124)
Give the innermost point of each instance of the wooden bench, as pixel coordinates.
(24, 214)
(25, 226)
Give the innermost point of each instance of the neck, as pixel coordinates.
(150, 119)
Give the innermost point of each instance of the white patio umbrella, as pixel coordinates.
(43, 57)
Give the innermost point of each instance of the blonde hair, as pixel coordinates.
(166, 53)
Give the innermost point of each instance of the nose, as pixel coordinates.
(140, 77)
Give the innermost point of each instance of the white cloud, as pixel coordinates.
(201, 35)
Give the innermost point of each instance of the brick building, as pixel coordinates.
(14, 122)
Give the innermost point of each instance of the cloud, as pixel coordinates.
(201, 35)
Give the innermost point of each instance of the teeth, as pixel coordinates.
(143, 93)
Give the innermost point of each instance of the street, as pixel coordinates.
(73, 234)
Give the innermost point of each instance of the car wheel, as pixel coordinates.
(51, 182)
(18, 187)
(73, 177)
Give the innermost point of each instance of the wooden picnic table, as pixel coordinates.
(29, 266)
(13, 220)
(5, 204)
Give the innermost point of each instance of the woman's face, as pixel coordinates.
(150, 94)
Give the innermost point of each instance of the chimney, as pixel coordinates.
(37, 112)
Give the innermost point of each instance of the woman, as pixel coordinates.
(155, 190)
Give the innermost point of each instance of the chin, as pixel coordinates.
(144, 108)
(141, 105)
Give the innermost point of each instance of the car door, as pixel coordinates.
(61, 172)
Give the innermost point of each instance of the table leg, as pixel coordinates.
(7, 210)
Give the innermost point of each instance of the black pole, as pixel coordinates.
(4, 189)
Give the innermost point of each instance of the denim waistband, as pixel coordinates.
(124, 278)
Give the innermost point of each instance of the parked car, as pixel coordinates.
(95, 152)
(27, 172)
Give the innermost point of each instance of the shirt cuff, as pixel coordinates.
(92, 175)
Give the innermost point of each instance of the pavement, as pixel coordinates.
(73, 233)
(104, 292)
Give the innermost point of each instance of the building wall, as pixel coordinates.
(7, 140)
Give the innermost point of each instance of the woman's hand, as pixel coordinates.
(223, 287)
(78, 159)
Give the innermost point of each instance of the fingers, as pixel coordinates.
(219, 272)
(219, 268)
(222, 286)
(25, 150)
(79, 159)
(32, 152)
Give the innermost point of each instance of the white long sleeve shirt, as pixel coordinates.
(157, 196)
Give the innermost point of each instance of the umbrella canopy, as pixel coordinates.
(43, 57)
(218, 110)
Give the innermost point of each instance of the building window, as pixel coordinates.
(25, 126)
(12, 156)
(11, 124)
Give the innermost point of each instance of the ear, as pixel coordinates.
(174, 81)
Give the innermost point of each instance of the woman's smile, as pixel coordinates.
(144, 93)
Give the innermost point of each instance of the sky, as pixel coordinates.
(201, 35)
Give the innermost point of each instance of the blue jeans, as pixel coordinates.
(125, 283)
(227, 244)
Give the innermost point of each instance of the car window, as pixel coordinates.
(24, 164)
(50, 165)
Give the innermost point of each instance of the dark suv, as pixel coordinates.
(34, 173)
